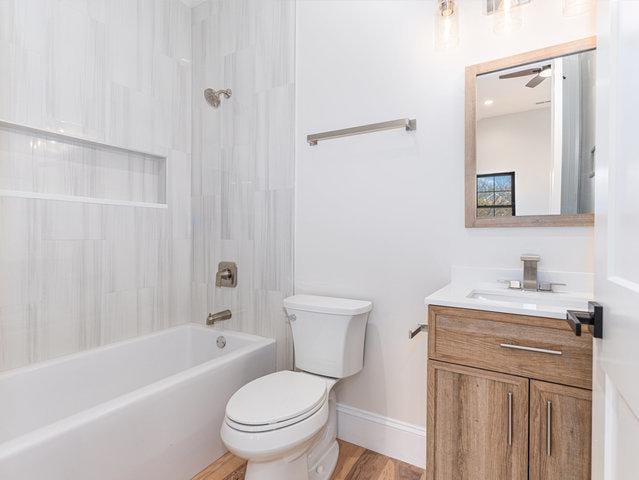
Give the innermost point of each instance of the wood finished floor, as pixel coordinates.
(354, 463)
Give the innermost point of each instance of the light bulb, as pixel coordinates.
(507, 18)
(447, 8)
(446, 25)
(573, 8)
(488, 102)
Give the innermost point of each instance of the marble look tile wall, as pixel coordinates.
(243, 163)
(36, 162)
(75, 276)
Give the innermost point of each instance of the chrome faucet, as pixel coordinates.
(531, 281)
(213, 318)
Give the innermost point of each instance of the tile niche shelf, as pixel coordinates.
(42, 164)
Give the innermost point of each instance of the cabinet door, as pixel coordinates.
(477, 424)
(560, 425)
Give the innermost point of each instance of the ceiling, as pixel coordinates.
(511, 95)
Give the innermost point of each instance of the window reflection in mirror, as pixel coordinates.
(536, 123)
(496, 195)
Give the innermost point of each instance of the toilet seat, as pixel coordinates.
(276, 401)
(269, 427)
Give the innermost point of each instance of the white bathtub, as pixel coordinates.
(147, 408)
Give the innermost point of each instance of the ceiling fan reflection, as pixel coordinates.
(540, 74)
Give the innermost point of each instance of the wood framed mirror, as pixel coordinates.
(530, 138)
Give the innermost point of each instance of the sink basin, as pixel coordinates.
(480, 289)
(534, 301)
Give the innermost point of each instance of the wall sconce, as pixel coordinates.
(573, 8)
(446, 25)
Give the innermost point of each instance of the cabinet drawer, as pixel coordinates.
(534, 347)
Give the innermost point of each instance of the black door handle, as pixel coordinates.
(593, 318)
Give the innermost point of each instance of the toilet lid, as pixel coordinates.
(278, 397)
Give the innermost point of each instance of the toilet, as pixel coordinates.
(285, 423)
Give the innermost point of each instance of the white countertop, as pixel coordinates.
(480, 290)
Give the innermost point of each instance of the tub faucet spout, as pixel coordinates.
(213, 318)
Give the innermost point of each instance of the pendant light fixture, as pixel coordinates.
(507, 16)
(573, 8)
(446, 25)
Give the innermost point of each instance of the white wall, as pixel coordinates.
(381, 216)
(520, 143)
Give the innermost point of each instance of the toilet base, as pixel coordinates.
(282, 469)
(324, 469)
(296, 469)
(315, 460)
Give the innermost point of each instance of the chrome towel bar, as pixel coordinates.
(405, 123)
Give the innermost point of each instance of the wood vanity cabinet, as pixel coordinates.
(481, 424)
(560, 421)
(508, 397)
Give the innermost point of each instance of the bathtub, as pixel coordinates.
(146, 408)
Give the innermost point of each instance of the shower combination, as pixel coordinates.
(214, 97)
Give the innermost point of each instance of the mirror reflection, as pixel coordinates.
(536, 138)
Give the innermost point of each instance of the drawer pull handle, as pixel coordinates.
(548, 427)
(510, 419)
(529, 349)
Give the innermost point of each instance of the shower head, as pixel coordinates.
(212, 97)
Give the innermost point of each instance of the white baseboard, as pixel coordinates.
(390, 437)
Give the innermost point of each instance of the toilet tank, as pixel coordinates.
(328, 334)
